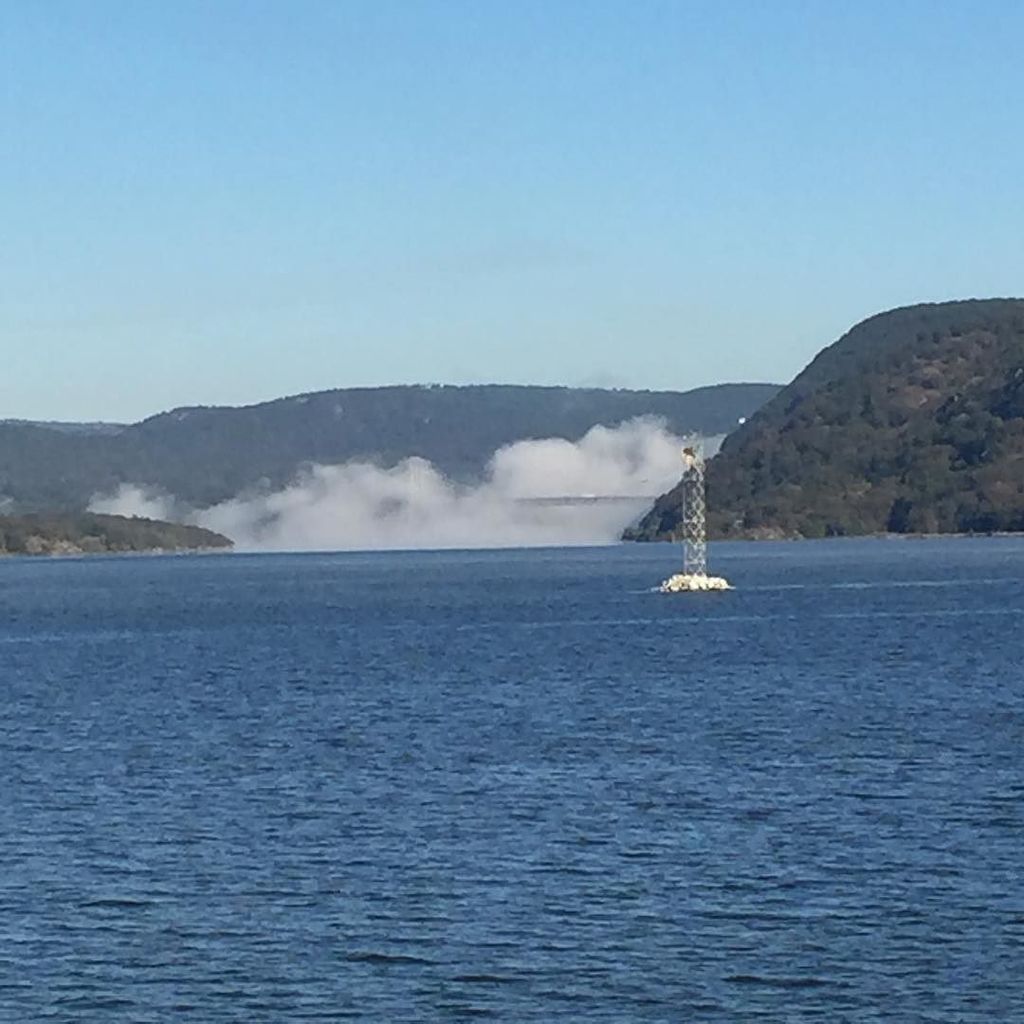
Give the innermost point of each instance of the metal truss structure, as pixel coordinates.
(695, 533)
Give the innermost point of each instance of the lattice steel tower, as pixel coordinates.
(695, 532)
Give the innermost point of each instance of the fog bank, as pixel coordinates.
(525, 500)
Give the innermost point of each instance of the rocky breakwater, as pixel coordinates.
(683, 583)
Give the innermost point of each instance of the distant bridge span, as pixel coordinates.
(590, 499)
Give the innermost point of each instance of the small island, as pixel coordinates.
(89, 533)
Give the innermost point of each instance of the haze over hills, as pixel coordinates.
(207, 455)
(911, 422)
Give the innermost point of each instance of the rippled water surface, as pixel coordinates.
(516, 785)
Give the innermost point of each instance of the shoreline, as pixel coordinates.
(848, 536)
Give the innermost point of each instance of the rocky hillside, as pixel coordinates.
(98, 534)
(913, 422)
(205, 455)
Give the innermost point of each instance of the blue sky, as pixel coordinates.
(223, 202)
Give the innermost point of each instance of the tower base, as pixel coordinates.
(682, 583)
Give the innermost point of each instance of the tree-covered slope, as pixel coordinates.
(911, 422)
(97, 534)
(205, 455)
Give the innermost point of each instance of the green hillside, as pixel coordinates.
(97, 534)
(911, 422)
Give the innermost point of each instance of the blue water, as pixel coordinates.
(516, 785)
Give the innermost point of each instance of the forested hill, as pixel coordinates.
(98, 534)
(205, 455)
(911, 422)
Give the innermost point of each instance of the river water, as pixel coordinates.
(515, 785)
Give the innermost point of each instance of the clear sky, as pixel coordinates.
(224, 201)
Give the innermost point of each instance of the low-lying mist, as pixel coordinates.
(518, 504)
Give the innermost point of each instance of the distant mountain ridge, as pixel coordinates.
(912, 422)
(204, 455)
(68, 426)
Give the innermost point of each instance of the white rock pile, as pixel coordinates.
(686, 583)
